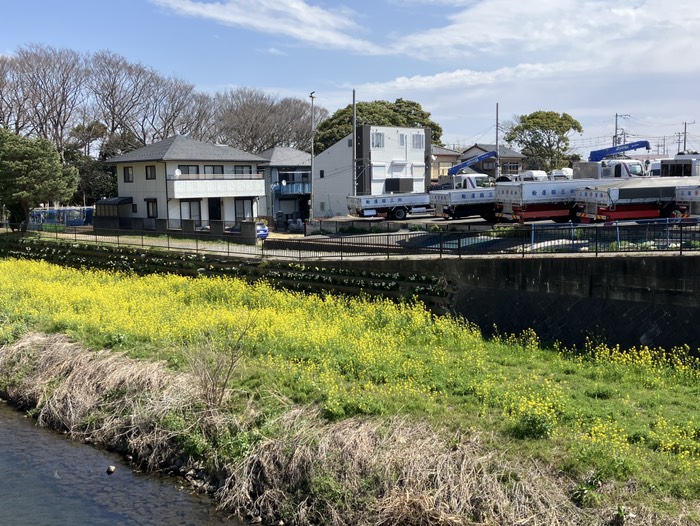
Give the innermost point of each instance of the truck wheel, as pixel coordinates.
(399, 214)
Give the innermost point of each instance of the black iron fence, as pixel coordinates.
(665, 236)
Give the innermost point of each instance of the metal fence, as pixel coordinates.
(665, 236)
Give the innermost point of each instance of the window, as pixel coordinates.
(349, 143)
(150, 172)
(214, 169)
(511, 168)
(377, 140)
(402, 140)
(244, 208)
(243, 169)
(188, 168)
(151, 208)
(191, 210)
(418, 141)
(134, 208)
(128, 174)
(321, 174)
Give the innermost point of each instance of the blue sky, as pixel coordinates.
(592, 59)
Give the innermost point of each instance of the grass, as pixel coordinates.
(349, 410)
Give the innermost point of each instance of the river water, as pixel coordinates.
(48, 480)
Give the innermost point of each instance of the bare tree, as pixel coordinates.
(13, 106)
(246, 118)
(52, 82)
(255, 121)
(118, 89)
(198, 121)
(294, 122)
(162, 110)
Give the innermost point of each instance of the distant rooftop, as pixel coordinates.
(182, 148)
(285, 156)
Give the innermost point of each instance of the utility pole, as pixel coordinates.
(685, 134)
(354, 145)
(621, 116)
(311, 179)
(498, 152)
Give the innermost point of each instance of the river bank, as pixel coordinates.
(312, 472)
(113, 402)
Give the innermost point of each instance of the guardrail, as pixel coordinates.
(665, 236)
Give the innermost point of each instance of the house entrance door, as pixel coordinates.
(214, 209)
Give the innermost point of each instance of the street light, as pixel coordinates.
(311, 178)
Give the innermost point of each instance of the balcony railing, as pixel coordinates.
(212, 177)
(292, 188)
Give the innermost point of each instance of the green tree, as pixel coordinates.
(31, 172)
(543, 138)
(378, 113)
(97, 179)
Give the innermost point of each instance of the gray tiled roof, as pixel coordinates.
(503, 151)
(181, 148)
(285, 156)
(441, 150)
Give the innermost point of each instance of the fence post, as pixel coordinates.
(680, 236)
(441, 243)
(387, 246)
(342, 249)
(596, 240)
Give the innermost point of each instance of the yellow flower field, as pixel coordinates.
(358, 356)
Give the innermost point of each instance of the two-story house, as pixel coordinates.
(180, 179)
(384, 160)
(510, 161)
(287, 181)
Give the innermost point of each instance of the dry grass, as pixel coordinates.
(99, 397)
(392, 473)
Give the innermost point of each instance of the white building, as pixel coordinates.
(388, 160)
(181, 179)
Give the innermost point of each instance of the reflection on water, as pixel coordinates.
(46, 479)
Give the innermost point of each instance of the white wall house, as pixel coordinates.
(388, 160)
(180, 178)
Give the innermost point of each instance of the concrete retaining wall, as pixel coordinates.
(628, 300)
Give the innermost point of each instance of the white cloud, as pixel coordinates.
(589, 58)
(292, 18)
(277, 52)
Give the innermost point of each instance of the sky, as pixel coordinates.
(630, 62)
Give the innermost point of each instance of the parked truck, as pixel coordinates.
(394, 206)
(643, 198)
(601, 166)
(688, 197)
(536, 200)
(475, 198)
(556, 198)
(682, 165)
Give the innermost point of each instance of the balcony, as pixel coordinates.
(291, 189)
(195, 186)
